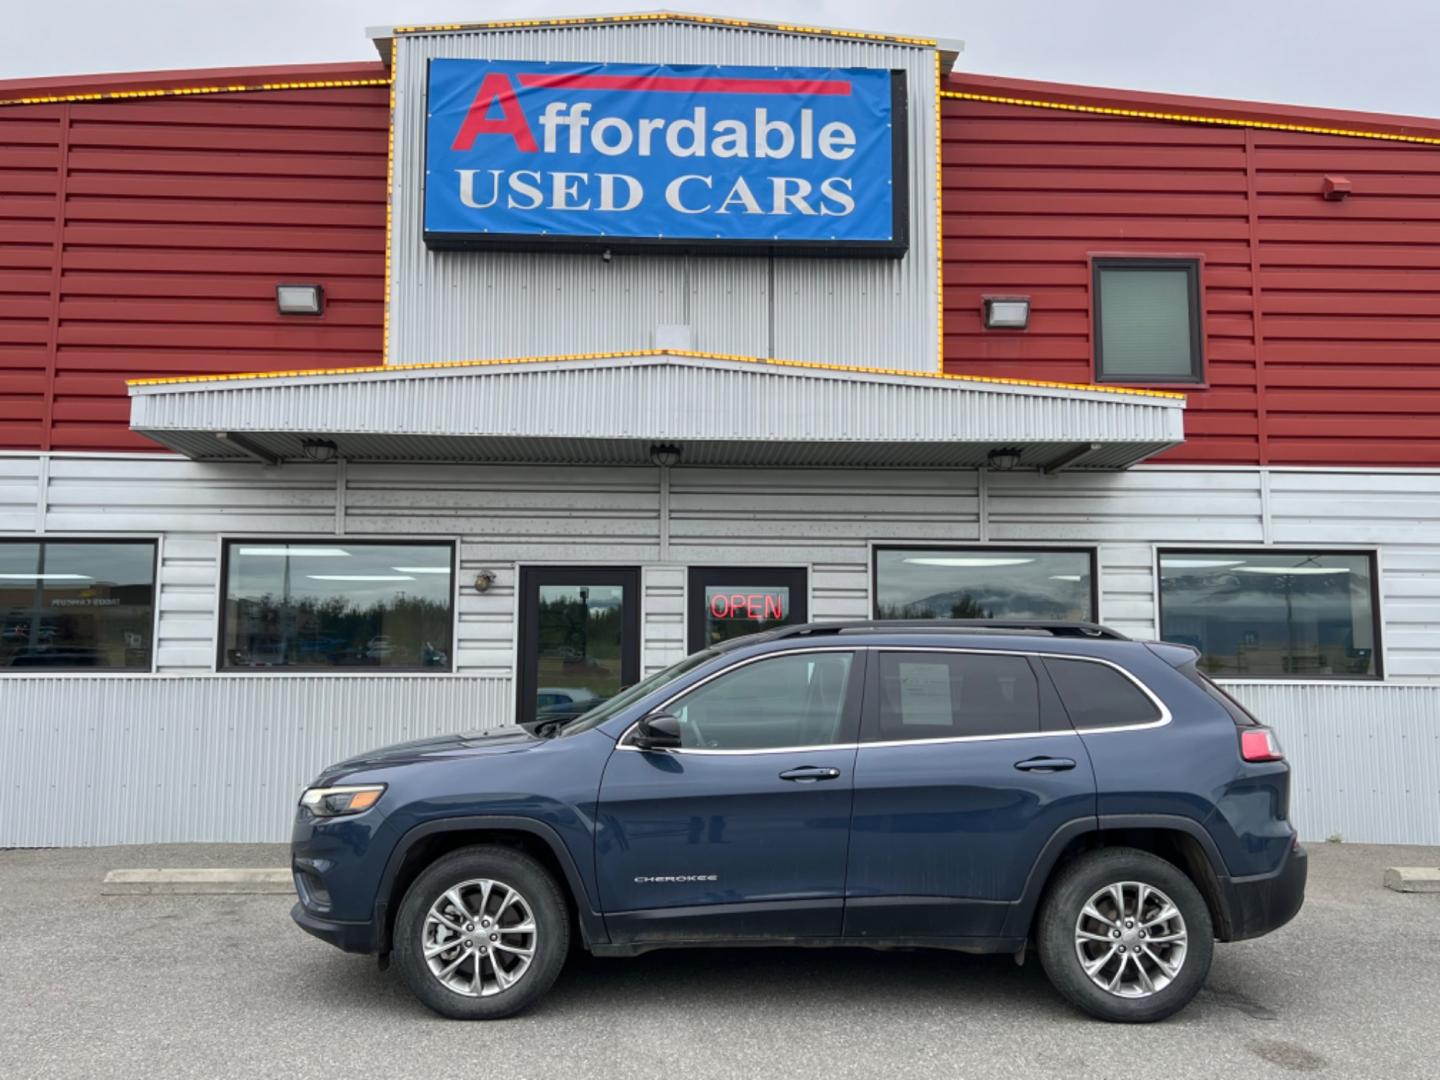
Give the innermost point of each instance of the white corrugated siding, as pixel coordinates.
(93, 760)
(467, 305)
(1366, 758)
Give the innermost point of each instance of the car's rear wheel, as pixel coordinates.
(1125, 935)
(481, 933)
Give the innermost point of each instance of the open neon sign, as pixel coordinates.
(759, 606)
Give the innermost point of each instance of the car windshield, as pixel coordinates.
(624, 699)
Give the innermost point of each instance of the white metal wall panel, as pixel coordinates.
(19, 493)
(663, 612)
(187, 595)
(466, 305)
(1140, 506)
(111, 760)
(1127, 588)
(99, 494)
(90, 760)
(1366, 758)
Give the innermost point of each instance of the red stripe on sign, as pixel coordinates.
(676, 85)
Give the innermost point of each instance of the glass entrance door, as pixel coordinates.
(730, 601)
(579, 638)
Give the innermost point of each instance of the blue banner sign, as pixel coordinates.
(793, 160)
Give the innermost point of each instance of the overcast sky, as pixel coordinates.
(1378, 55)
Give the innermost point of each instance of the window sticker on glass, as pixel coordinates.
(925, 694)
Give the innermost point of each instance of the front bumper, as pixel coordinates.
(1266, 902)
(356, 937)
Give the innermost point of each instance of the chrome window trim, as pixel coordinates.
(1165, 715)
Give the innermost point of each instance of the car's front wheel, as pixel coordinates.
(481, 933)
(1125, 935)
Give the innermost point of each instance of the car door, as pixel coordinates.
(741, 832)
(967, 766)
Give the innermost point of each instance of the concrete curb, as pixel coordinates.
(1419, 879)
(196, 882)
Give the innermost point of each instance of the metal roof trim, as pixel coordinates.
(657, 357)
(381, 34)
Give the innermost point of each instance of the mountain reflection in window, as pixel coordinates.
(982, 583)
(344, 604)
(1263, 614)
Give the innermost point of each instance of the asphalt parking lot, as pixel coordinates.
(226, 986)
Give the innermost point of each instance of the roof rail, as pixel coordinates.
(1051, 627)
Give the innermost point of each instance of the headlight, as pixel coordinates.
(337, 801)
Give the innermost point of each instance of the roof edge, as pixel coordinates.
(147, 384)
(1193, 108)
(55, 89)
(381, 35)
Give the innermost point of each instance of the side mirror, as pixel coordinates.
(658, 731)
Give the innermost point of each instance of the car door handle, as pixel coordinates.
(1045, 764)
(808, 774)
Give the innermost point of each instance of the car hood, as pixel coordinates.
(510, 739)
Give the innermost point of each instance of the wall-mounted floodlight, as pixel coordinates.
(1007, 312)
(299, 299)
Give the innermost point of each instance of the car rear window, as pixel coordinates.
(1097, 695)
(1237, 712)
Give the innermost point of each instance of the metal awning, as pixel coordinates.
(611, 408)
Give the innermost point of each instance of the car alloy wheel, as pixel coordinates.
(1131, 939)
(479, 937)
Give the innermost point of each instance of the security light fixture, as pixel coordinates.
(665, 454)
(321, 450)
(1007, 312)
(299, 299)
(1004, 459)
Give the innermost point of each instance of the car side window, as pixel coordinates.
(937, 695)
(1096, 695)
(794, 700)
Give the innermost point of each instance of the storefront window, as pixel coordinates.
(983, 583)
(1251, 614)
(74, 605)
(345, 604)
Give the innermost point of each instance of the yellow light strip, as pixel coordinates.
(1188, 118)
(664, 16)
(186, 91)
(939, 232)
(389, 204)
(400, 369)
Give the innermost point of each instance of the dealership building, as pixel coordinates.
(348, 404)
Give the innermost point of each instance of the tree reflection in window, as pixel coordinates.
(345, 605)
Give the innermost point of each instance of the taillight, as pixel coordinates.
(1260, 744)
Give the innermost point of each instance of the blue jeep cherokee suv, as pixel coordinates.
(946, 785)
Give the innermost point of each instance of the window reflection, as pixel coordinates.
(982, 583)
(1265, 614)
(343, 605)
(77, 605)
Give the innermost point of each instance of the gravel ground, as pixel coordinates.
(220, 986)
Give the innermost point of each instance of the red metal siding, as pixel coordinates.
(146, 237)
(1322, 319)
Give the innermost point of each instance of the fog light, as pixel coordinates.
(1007, 312)
(299, 299)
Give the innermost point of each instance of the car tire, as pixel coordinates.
(1114, 905)
(502, 891)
